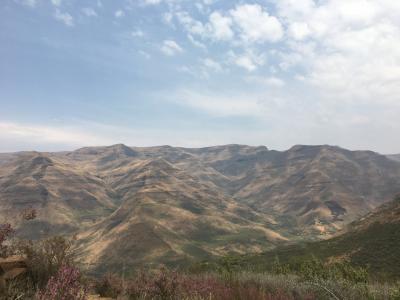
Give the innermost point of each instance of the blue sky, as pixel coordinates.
(197, 73)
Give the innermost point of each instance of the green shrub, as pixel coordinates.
(315, 269)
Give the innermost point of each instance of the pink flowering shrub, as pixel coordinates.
(171, 285)
(65, 285)
(163, 284)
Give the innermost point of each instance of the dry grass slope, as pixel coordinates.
(145, 206)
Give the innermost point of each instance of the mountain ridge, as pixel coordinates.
(192, 202)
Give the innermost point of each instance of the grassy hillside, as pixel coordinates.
(372, 242)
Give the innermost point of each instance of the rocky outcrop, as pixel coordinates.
(10, 268)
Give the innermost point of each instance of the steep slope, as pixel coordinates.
(372, 242)
(168, 216)
(65, 197)
(320, 188)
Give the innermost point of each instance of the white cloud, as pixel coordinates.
(299, 30)
(252, 23)
(200, 7)
(248, 60)
(119, 13)
(170, 48)
(295, 9)
(212, 64)
(167, 18)
(255, 24)
(144, 54)
(269, 81)
(220, 104)
(293, 119)
(137, 33)
(196, 43)
(220, 27)
(204, 7)
(208, 2)
(90, 12)
(347, 49)
(65, 18)
(191, 25)
(56, 2)
(21, 134)
(151, 2)
(30, 3)
(186, 69)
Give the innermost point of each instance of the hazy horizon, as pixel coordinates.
(177, 146)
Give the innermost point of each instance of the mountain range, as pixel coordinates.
(136, 206)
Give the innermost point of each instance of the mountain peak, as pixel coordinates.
(296, 148)
(122, 149)
(41, 160)
(117, 152)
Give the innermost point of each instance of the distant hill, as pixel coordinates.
(372, 242)
(147, 205)
(395, 157)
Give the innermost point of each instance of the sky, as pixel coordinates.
(196, 73)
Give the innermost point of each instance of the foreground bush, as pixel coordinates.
(44, 260)
(165, 284)
(65, 285)
(172, 285)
